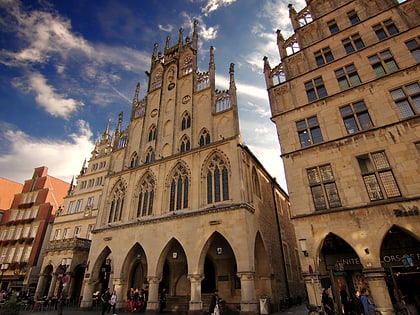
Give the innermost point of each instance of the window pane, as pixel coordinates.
(365, 121)
(392, 65)
(304, 138)
(380, 160)
(372, 186)
(397, 94)
(354, 79)
(379, 70)
(416, 101)
(359, 106)
(351, 125)
(346, 111)
(301, 125)
(322, 92)
(405, 109)
(311, 95)
(413, 88)
(359, 44)
(332, 195)
(389, 183)
(326, 173)
(343, 84)
(316, 135)
(312, 121)
(318, 196)
(313, 176)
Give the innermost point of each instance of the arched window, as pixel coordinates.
(188, 65)
(204, 138)
(185, 144)
(217, 180)
(152, 133)
(256, 183)
(150, 156)
(179, 188)
(157, 79)
(146, 196)
(117, 202)
(134, 161)
(186, 121)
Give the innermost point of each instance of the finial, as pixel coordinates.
(168, 38)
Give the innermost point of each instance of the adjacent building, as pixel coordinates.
(346, 102)
(184, 205)
(24, 228)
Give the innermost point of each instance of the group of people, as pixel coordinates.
(137, 299)
(359, 304)
(109, 301)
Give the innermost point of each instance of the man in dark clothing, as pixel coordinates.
(105, 297)
(214, 303)
(328, 302)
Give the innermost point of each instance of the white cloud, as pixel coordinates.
(243, 89)
(167, 28)
(55, 104)
(27, 153)
(213, 5)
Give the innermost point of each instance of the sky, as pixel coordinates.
(66, 67)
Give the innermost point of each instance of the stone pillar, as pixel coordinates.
(118, 287)
(87, 294)
(40, 285)
(314, 289)
(196, 304)
(249, 305)
(153, 303)
(53, 284)
(378, 289)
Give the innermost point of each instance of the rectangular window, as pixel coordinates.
(77, 230)
(407, 99)
(79, 205)
(347, 77)
(27, 254)
(323, 56)
(11, 254)
(89, 231)
(353, 17)
(378, 177)
(356, 117)
(385, 29)
(3, 235)
(72, 205)
(57, 234)
(91, 201)
(3, 255)
(323, 187)
(26, 230)
(413, 46)
(65, 233)
(34, 231)
(332, 25)
(353, 43)
(383, 63)
(18, 254)
(309, 131)
(315, 89)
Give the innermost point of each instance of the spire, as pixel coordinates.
(154, 54)
(71, 185)
(168, 38)
(233, 98)
(212, 71)
(181, 36)
(280, 45)
(293, 16)
(105, 135)
(136, 94)
(195, 35)
(232, 85)
(118, 129)
(83, 170)
(267, 71)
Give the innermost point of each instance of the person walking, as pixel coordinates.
(105, 297)
(368, 306)
(214, 308)
(61, 302)
(113, 302)
(162, 300)
(327, 301)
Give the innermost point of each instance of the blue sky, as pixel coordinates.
(66, 67)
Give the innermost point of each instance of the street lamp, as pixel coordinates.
(3, 268)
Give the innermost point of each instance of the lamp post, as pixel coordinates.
(3, 268)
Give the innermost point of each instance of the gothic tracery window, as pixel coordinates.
(152, 133)
(188, 65)
(204, 138)
(179, 188)
(157, 79)
(217, 180)
(150, 156)
(186, 121)
(146, 196)
(185, 144)
(117, 203)
(134, 161)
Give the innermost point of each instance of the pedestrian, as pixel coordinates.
(105, 297)
(113, 302)
(215, 303)
(162, 300)
(61, 301)
(345, 300)
(368, 306)
(327, 301)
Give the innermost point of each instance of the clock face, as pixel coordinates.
(154, 113)
(186, 99)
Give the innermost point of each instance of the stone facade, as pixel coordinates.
(345, 100)
(185, 205)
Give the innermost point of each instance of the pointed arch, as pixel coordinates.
(134, 160)
(216, 172)
(146, 195)
(117, 199)
(185, 144)
(134, 267)
(256, 188)
(204, 137)
(101, 270)
(185, 120)
(152, 133)
(150, 155)
(173, 266)
(179, 183)
(187, 64)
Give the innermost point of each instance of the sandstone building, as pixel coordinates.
(25, 226)
(181, 204)
(346, 102)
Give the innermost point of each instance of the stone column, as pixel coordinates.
(53, 284)
(378, 289)
(118, 287)
(87, 294)
(249, 305)
(153, 303)
(196, 304)
(40, 285)
(313, 287)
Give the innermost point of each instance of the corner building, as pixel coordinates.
(346, 102)
(185, 206)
